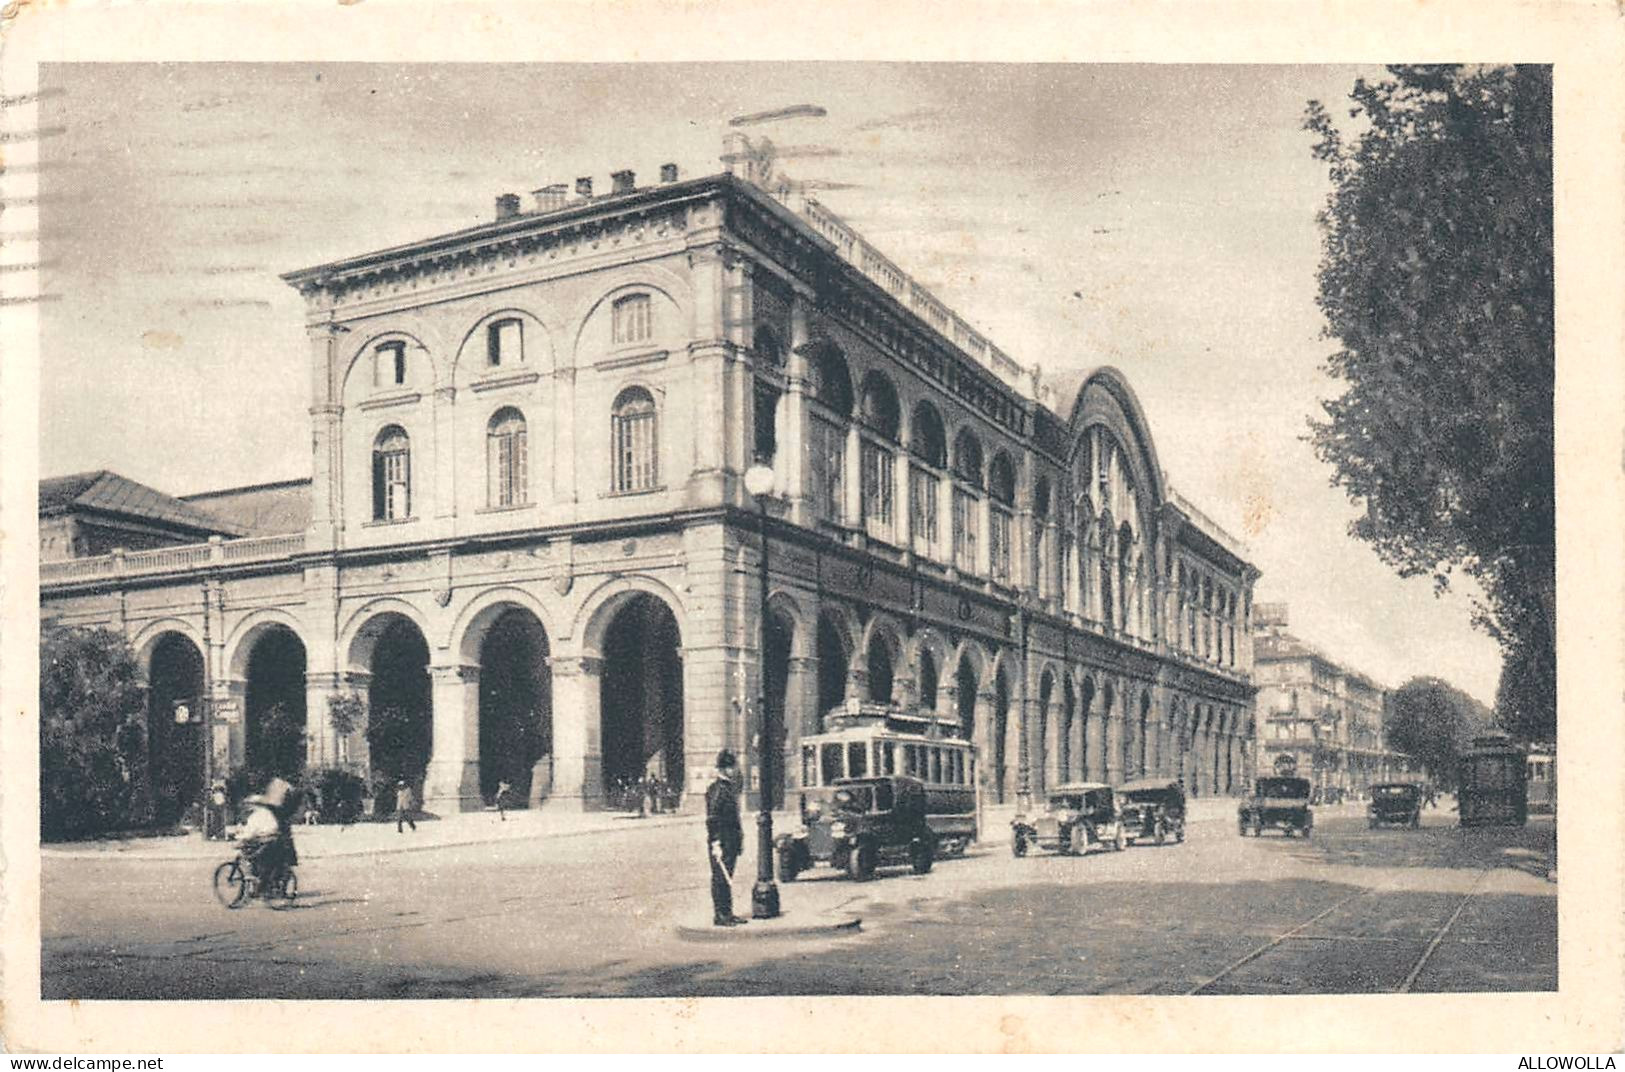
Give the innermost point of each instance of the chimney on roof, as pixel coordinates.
(551, 197)
(584, 186)
(507, 206)
(624, 182)
(668, 172)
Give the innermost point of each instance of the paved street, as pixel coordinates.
(623, 911)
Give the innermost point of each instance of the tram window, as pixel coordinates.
(883, 801)
(936, 764)
(809, 766)
(958, 765)
(889, 751)
(912, 751)
(857, 759)
(831, 762)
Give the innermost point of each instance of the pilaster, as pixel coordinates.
(452, 782)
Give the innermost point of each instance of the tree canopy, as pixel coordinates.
(92, 737)
(1436, 281)
(1433, 721)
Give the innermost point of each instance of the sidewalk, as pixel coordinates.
(327, 841)
(474, 828)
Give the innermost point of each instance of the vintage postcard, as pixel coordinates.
(1032, 528)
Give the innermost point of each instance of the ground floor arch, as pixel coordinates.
(641, 696)
(833, 666)
(175, 757)
(515, 707)
(400, 726)
(274, 717)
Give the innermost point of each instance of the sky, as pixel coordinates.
(1157, 218)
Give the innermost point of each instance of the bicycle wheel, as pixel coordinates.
(229, 887)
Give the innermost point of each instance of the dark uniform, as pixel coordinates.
(724, 839)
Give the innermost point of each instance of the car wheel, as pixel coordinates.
(925, 854)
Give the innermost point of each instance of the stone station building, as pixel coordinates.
(527, 524)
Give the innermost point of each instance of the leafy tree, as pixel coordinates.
(399, 740)
(92, 735)
(280, 742)
(1436, 279)
(1433, 722)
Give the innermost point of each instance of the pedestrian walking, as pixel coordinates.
(724, 838)
(502, 800)
(403, 806)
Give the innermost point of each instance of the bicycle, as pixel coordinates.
(235, 883)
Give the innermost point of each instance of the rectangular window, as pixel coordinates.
(389, 365)
(879, 482)
(827, 461)
(964, 531)
(504, 343)
(830, 761)
(857, 760)
(889, 753)
(922, 509)
(633, 319)
(998, 544)
(506, 465)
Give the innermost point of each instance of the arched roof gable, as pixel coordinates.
(1123, 415)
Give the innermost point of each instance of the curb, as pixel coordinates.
(760, 930)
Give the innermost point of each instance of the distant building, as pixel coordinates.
(1328, 718)
(95, 513)
(527, 524)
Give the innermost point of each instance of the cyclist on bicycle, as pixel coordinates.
(266, 843)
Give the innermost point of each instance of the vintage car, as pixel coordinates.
(1076, 817)
(858, 824)
(1153, 810)
(1395, 802)
(1277, 802)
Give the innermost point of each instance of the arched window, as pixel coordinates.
(635, 436)
(881, 413)
(928, 444)
(830, 382)
(391, 475)
(826, 448)
(878, 461)
(968, 458)
(967, 503)
(1001, 485)
(506, 460)
(632, 319)
(928, 682)
(768, 350)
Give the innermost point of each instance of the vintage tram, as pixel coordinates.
(1492, 787)
(865, 739)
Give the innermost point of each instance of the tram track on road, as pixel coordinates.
(1438, 937)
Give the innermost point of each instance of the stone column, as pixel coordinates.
(800, 713)
(578, 759)
(452, 782)
(327, 440)
(445, 458)
(791, 462)
(565, 444)
(902, 498)
(852, 478)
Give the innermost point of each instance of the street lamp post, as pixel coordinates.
(764, 896)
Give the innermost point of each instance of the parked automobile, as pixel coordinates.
(859, 824)
(1277, 802)
(1076, 817)
(1395, 803)
(1153, 810)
